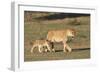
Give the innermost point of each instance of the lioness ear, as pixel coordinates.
(74, 31)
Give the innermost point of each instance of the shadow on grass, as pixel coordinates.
(62, 16)
(79, 49)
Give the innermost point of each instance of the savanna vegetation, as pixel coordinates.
(37, 24)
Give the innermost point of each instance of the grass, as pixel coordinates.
(35, 28)
(84, 54)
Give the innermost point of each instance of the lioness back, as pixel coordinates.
(56, 35)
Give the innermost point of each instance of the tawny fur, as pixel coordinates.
(61, 36)
(40, 44)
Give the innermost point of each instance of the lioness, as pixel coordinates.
(61, 36)
(40, 44)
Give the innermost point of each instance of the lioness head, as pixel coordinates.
(71, 33)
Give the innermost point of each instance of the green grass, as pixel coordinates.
(37, 29)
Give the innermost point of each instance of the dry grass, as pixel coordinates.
(37, 28)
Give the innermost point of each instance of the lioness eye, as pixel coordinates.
(73, 32)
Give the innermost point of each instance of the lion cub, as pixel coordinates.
(40, 44)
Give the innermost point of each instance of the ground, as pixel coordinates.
(37, 24)
(58, 55)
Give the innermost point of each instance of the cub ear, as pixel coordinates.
(31, 43)
(47, 40)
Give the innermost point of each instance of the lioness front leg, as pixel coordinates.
(64, 49)
(64, 44)
(68, 48)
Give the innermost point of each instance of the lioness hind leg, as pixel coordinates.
(47, 48)
(52, 47)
